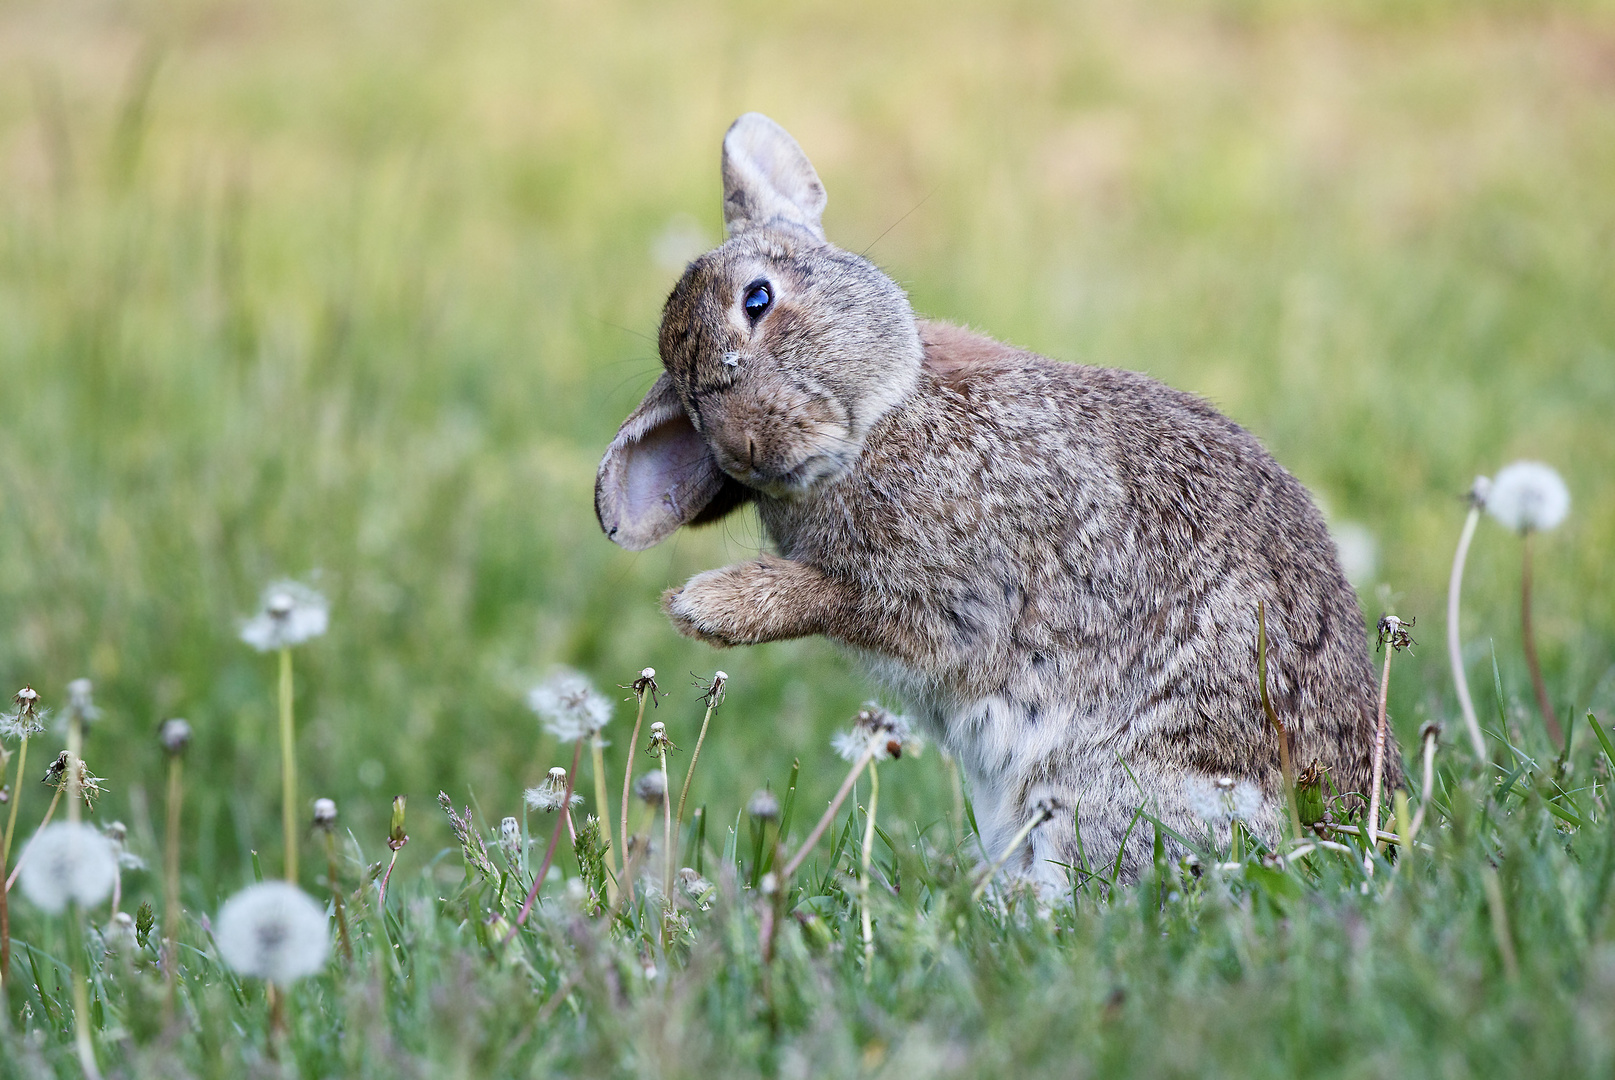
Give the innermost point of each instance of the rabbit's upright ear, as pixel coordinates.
(657, 474)
(767, 180)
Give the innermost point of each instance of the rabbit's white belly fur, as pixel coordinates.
(1006, 746)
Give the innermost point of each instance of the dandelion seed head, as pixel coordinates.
(175, 735)
(117, 833)
(549, 795)
(891, 736)
(650, 787)
(763, 805)
(26, 717)
(289, 613)
(81, 702)
(1206, 800)
(647, 673)
(1527, 496)
(68, 863)
(1480, 491)
(324, 814)
(274, 931)
(119, 933)
(1245, 802)
(510, 837)
(569, 705)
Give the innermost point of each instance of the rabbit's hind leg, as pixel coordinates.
(767, 599)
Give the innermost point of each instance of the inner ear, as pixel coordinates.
(767, 180)
(657, 473)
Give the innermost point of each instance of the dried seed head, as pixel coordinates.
(324, 814)
(763, 806)
(713, 694)
(56, 774)
(551, 794)
(1480, 491)
(659, 742)
(1394, 632)
(175, 735)
(646, 683)
(80, 702)
(274, 931)
(26, 717)
(68, 863)
(289, 613)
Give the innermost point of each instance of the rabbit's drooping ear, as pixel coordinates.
(657, 473)
(767, 180)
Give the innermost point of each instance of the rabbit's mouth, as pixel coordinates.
(794, 482)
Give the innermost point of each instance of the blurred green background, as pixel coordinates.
(357, 292)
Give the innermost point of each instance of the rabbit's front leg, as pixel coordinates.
(767, 599)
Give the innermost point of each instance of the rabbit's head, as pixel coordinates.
(780, 352)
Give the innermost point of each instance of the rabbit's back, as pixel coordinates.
(1059, 566)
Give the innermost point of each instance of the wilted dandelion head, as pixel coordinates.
(26, 718)
(551, 794)
(890, 736)
(289, 613)
(175, 735)
(696, 887)
(68, 863)
(659, 742)
(570, 707)
(1528, 496)
(650, 787)
(274, 931)
(1222, 800)
(117, 834)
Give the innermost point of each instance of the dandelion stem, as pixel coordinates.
(829, 815)
(336, 894)
(16, 798)
(627, 883)
(75, 767)
(1286, 767)
(288, 765)
(603, 807)
(1555, 732)
(1043, 814)
(1379, 762)
(81, 998)
(555, 840)
(695, 755)
(1428, 789)
(1455, 654)
(667, 828)
(863, 879)
(381, 897)
(176, 791)
(1499, 913)
(50, 811)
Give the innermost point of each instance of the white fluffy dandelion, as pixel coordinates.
(289, 613)
(1222, 800)
(891, 735)
(650, 787)
(570, 707)
(1528, 496)
(274, 931)
(68, 863)
(549, 795)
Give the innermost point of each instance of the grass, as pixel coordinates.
(313, 290)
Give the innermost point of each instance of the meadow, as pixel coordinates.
(356, 295)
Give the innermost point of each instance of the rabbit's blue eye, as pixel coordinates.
(758, 297)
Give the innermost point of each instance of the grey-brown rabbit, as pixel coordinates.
(1056, 566)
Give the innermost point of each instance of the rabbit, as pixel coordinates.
(1057, 567)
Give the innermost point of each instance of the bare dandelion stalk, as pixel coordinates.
(1455, 584)
(646, 683)
(1285, 765)
(175, 737)
(1528, 634)
(863, 873)
(714, 698)
(1393, 636)
(50, 812)
(555, 840)
(288, 765)
(81, 999)
(829, 815)
(1428, 736)
(1041, 813)
(325, 822)
(16, 798)
(603, 805)
(1499, 914)
(667, 829)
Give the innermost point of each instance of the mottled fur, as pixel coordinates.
(1056, 566)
